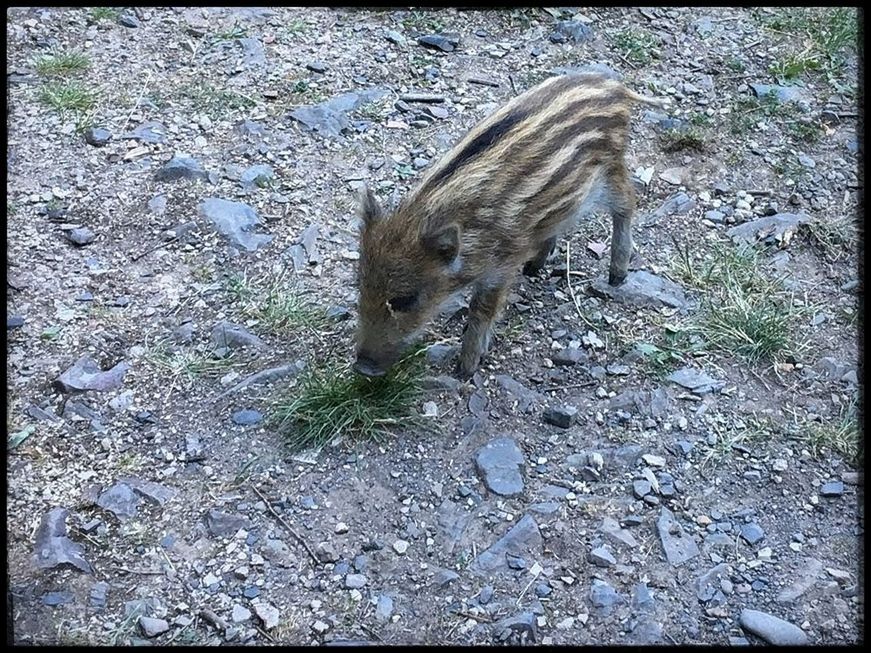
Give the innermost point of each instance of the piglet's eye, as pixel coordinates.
(404, 303)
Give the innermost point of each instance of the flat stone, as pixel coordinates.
(247, 417)
(181, 167)
(604, 597)
(779, 227)
(224, 524)
(268, 615)
(677, 204)
(441, 42)
(52, 547)
(81, 236)
(236, 221)
(642, 288)
(97, 136)
(151, 132)
(832, 489)
(355, 581)
(521, 625)
(602, 557)
(522, 538)
(120, 500)
(154, 492)
(499, 463)
(752, 533)
(232, 336)
(679, 546)
(783, 93)
(773, 630)
(383, 608)
(569, 356)
(695, 380)
(526, 398)
(808, 575)
(561, 416)
(152, 627)
(256, 175)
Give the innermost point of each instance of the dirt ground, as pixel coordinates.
(150, 501)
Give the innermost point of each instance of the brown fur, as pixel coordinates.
(498, 200)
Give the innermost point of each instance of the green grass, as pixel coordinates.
(676, 140)
(69, 98)
(742, 311)
(840, 435)
(333, 401)
(62, 63)
(819, 38)
(235, 32)
(422, 21)
(745, 432)
(217, 102)
(279, 304)
(804, 131)
(186, 367)
(98, 14)
(735, 65)
(668, 353)
(835, 236)
(636, 45)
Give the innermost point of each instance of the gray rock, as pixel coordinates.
(772, 226)
(128, 19)
(329, 118)
(224, 524)
(679, 546)
(526, 398)
(752, 533)
(604, 597)
(677, 204)
(154, 492)
(773, 630)
(695, 380)
(522, 625)
(394, 37)
(640, 288)
(268, 614)
(317, 67)
(256, 176)
(561, 416)
(81, 236)
(383, 608)
(97, 136)
(642, 599)
(120, 500)
(707, 583)
(444, 577)
(148, 132)
(523, 538)
(152, 627)
(181, 167)
(832, 489)
(602, 557)
(575, 29)
(646, 631)
(253, 52)
(247, 417)
(98, 595)
(783, 93)
(355, 581)
(569, 356)
(326, 552)
(597, 68)
(641, 488)
(440, 354)
(617, 535)
(14, 322)
(52, 547)
(54, 599)
(499, 463)
(714, 216)
(443, 42)
(240, 614)
(304, 252)
(451, 520)
(85, 374)
(232, 336)
(809, 570)
(235, 221)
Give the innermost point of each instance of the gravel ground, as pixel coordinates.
(602, 479)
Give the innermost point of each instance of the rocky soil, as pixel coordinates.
(570, 493)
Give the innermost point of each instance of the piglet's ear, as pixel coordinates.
(443, 242)
(368, 208)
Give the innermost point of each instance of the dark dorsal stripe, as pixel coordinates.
(479, 144)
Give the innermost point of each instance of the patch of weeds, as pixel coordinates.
(742, 433)
(62, 63)
(295, 27)
(404, 171)
(68, 98)
(840, 435)
(279, 306)
(245, 470)
(421, 21)
(522, 17)
(98, 14)
(301, 91)
(332, 401)
(188, 366)
(128, 462)
(11, 208)
(636, 45)
(805, 131)
(664, 358)
(835, 236)
(735, 64)
(235, 32)
(701, 119)
(826, 33)
(789, 169)
(743, 312)
(675, 140)
(217, 102)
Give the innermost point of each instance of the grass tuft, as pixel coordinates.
(636, 45)
(279, 306)
(743, 312)
(675, 140)
(840, 435)
(97, 14)
(62, 63)
(333, 401)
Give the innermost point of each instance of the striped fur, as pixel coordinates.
(496, 201)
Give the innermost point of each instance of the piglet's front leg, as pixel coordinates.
(487, 302)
